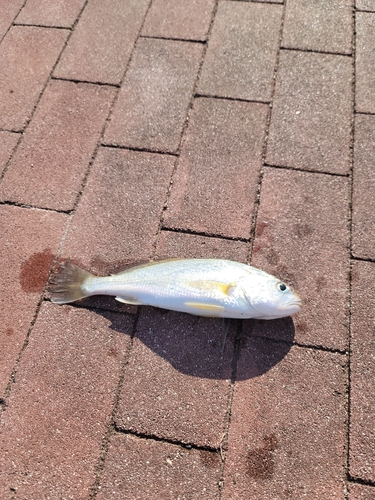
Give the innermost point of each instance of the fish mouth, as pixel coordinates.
(297, 303)
(294, 306)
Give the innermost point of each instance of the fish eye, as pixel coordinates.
(282, 287)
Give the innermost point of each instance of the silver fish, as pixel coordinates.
(204, 287)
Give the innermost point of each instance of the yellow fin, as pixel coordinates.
(205, 307)
(212, 285)
(129, 300)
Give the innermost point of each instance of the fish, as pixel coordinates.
(203, 287)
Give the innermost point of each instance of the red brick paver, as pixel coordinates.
(362, 405)
(242, 50)
(132, 130)
(363, 187)
(9, 11)
(57, 147)
(188, 20)
(177, 390)
(173, 244)
(365, 62)
(118, 218)
(361, 492)
(218, 169)
(367, 5)
(287, 435)
(154, 99)
(160, 470)
(311, 117)
(26, 58)
(309, 209)
(320, 25)
(60, 407)
(101, 45)
(176, 405)
(47, 13)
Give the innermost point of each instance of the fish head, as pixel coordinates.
(270, 298)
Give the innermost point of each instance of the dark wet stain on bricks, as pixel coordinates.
(112, 353)
(302, 230)
(272, 257)
(35, 270)
(209, 458)
(260, 461)
(256, 248)
(321, 283)
(261, 226)
(301, 327)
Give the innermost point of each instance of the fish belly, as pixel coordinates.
(188, 301)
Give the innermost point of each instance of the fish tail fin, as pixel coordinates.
(67, 285)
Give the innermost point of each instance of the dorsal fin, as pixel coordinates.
(141, 265)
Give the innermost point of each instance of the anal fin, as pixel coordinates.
(213, 309)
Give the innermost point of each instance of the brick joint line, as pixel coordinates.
(298, 169)
(86, 82)
(12, 378)
(350, 222)
(134, 148)
(185, 40)
(368, 113)
(314, 347)
(223, 448)
(188, 446)
(227, 98)
(24, 205)
(206, 234)
(357, 480)
(268, 2)
(44, 26)
(310, 51)
(362, 259)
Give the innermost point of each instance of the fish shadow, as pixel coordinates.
(193, 345)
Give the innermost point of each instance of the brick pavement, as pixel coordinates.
(154, 129)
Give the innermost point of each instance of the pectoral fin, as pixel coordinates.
(129, 300)
(215, 286)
